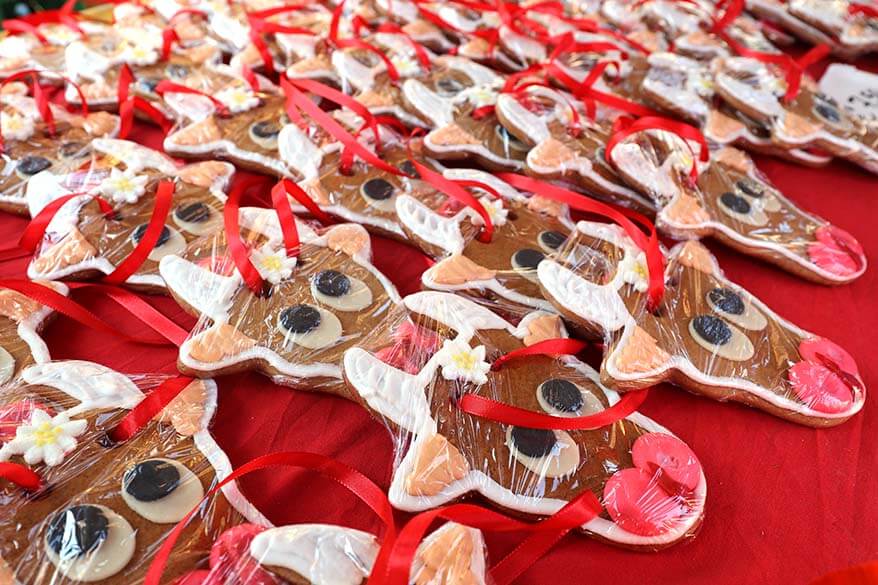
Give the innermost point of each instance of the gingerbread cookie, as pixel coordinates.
(83, 240)
(21, 322)
(105, 507)
(854, 32)
(316, 305)
(415, 378)
(707, 335)
(32, 146)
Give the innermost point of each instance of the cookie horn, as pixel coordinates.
(207, 292)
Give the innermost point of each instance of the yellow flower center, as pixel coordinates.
(272, 263)
(46, 434)
(640, 270)
(240, 97)
(124, 184)
(464, 360)
(14, 123)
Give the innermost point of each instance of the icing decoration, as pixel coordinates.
(161, 490)
(459, 361)
(272, 263)
(90, 542)
(44, 438)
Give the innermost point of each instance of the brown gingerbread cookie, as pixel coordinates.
(21, 321)
(105, 507)
(414, 374)
(83, 241)
(316, 305)
(707, 335)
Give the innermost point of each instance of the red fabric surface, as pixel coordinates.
(785, 503)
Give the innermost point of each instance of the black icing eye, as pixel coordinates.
(332, 283)
(735, 202)
(552, 239)
(508, 138)
(409, 168)
(31, 165)
(727, 301)
(712, 329)
(177, 71)
(73, 149)
(751, 189)
(137, 235)
(378, 189)
(151, 480)
(448, 86)
(300, 319)
(533, 442)
(77, 531)
(828, 112)
(561, 395)
(527, 259)
(196, 212)
(266, 129)
(147, 84)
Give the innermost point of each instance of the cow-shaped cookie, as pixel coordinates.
(315, 306)
(810, 119)
(456, 100)
(21, 321)
(707, 335)
(415, 377)
(30, 147)
(83, 241)
(105, 507)
(734, 203)
(326, 554)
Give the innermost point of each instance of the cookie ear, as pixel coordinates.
(436, 464)
(450, 136)
(72, 249)
(637, 353)
(457, 270)
(216, 344)
(351, 239)
(186, 411)
(542, 326)
(196, 137)
(723, 129)
(452, 554)
(694, 255)
(206, 292)
(212, 174)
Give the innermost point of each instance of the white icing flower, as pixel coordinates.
(123, 187)
(459, 361)
(238, 99)
(635, 272)
(140, 55)
(44, 438)
(405, 65)
(495, 210)
(15, 126)
(60, 35)
(480, 96)
(273, 265)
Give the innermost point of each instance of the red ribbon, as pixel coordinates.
(586, 89)
(625, 218)
(164, 196)
(169, 34)
(21, 475)
(296, 192)
(64, 16)
(36, 230)
(357, 483)
(864, 9)
(129, 103)
(563, 346)
(260, 27)
(166, 86)
(624, 127)
(147, 409)
(352, 43)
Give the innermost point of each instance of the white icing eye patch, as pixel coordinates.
(730, 305)
(196, 217)
(161, 490)
(742, 209)
(379, 193)
(721, 339)
(341, 292)
(89, 542)
(309, 326)
(546, 453)
(170, 242)
(265, 133)
(561, 397)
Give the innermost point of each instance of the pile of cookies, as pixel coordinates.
(536, 152)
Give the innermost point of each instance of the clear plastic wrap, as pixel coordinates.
(413, 371)
(854, 33)
(83, 241)
(708, 335)
(21, 322)
(25, 51)
(314, 307)
(106, 507)
(326, 554)
(30, 149)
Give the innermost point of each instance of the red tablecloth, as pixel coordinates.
(785, 503)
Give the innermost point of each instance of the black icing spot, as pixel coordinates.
(177, 71)
(552, 239)
(378, 189)
(77, 531)
(196, 212)
(408, 168)
(727, 301)
(448, 86)
(31, 165)
(528, 259)
(533, 442)
(735, 202)
(300, 319)
(561, 395)
(828, 112)
(265, 129)
(332, 283)
(73, 149)
(137, 235)
(151, 480)
(751, 189)
(712, 329)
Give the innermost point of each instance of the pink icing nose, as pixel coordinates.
(637, 503)
(818, 350)
(836, 251)
(820, 388)
(669, 457)
(230, 560)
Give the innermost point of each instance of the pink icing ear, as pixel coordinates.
(639, 505)
(669, 459)
(820, 388)
(230, 560)
(836, 251)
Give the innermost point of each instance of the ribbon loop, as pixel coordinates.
(625, 127)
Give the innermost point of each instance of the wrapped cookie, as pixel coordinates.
(104, 507)
(707, 335)
(21, 321)
(415, 372)
(123, 209)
